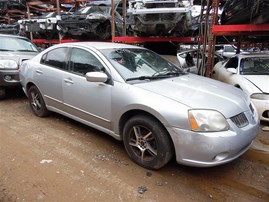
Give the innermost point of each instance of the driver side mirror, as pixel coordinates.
(232, 70)
(96, 77)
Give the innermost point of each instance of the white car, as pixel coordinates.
(228, 51)
(191, 60)
(43, 27)
(46, 21)
(188, 61)
(159, 18)
(249, 72)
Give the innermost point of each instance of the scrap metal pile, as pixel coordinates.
(143, 17)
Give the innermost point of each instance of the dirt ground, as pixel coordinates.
(56, 159)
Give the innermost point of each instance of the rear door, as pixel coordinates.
(48, 76)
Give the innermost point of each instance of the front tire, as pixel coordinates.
(147, 142)
(37, 103)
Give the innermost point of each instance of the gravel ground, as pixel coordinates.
(57, 159)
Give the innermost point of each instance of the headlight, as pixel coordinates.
(8, 64)
(260, 96)
(207, 121)
(91, 17)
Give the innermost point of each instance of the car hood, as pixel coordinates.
(200, 93)
(261, 82)
(18, 56)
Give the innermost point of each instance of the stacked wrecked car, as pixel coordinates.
(93, 21)
(142, 18)
(159, 18)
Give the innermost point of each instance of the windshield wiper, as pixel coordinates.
(167, 74)
(5, 50)
(157, 76)
(25, 50)
(140, 78)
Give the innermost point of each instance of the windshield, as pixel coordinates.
(229, 49)
(94, 9)
(254, 66)
(16, 44)
(48, 15)
(140, 64)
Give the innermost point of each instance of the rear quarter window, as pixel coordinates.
(55, 58)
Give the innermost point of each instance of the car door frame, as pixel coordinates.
(97, 111)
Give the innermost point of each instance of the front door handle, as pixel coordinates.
(39, 71)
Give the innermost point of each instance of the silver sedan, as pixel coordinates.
(139, 97)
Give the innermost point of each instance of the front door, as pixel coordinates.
(89, 101)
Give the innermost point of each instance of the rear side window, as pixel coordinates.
(55, 58)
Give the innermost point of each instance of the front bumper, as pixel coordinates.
(9, 78)
(213, 148)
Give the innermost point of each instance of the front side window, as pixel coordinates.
(82, 61)
(55, 58)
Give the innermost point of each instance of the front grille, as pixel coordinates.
(160, 5)
(168, 16)
(159, 16)
(150, 17)
(240, 120)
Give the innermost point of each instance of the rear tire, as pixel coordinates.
(37, 103)
(147, 142)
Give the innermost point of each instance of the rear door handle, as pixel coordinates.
(68, 81)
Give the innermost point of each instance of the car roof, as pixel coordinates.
(100, 2)
(256, 54)
(100, 45)
(13, 36)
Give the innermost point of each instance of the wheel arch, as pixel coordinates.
(28, 86)
(131, 113)
(237, 86)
